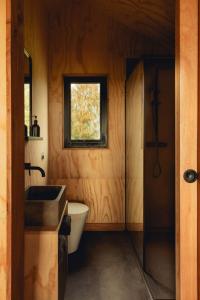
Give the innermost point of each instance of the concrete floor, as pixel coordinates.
(160, 263)
(105, 268)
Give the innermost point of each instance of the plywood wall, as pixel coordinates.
(82, 40)
(135, 148)
(35, 35)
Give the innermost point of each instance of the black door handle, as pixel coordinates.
(190, 176)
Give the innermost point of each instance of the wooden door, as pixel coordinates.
(12, 150)
(186, 147)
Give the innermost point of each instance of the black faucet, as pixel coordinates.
(27, 166)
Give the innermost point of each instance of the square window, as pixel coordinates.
(85, 112)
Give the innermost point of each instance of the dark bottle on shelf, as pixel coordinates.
(25, 132)
(35, 128)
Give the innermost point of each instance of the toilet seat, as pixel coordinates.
(75, 208)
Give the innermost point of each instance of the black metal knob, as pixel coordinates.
(190, 176)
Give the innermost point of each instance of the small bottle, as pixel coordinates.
(25, 132)
(35, 128)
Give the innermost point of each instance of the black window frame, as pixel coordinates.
(103, 141)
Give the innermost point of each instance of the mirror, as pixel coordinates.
(27, 93)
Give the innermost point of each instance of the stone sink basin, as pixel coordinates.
(44, 205)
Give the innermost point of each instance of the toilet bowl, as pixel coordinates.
(78, 213)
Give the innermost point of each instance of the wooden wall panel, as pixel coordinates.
(83, 40)
(94, 176)
(36, 44)
(103, 195)
(134, 147)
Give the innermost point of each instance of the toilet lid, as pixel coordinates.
(77, 208)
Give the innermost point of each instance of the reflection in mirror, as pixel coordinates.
(27, 92)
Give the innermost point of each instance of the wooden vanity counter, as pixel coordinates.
(41, 261)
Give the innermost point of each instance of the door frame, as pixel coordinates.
(12, 150)
(186, 147)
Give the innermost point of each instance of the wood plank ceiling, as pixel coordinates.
(153, 18)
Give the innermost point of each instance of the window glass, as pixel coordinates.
(85, 111)
(27, 112)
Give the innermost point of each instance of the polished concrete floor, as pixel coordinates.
(105, 268)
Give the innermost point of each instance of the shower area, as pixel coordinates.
(150, 169)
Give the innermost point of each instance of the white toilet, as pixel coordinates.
(78, 213)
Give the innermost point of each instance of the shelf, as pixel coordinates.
(34, 138)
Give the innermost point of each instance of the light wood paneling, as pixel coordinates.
(186, 147)
(103, 196)
(12, 150)
(94, 176)
(41, 265)
(83, 40)
(35, 35)
(134, 145)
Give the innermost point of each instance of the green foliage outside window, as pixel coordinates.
(27, 106)
(85, 111)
